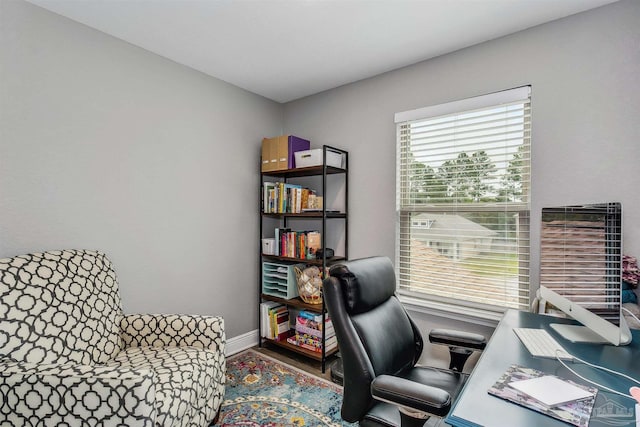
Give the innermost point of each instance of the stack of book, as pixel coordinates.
(297, 244)
(308, 332)
(283, 197)
(275, 321)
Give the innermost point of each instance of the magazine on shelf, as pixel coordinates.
(575, 412)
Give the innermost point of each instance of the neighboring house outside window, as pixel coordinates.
(463, 201)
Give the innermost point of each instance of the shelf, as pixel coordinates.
(311, 354)
(294, 302)
(331, 260)
(326, 220)
(310, 171)
(305, 215)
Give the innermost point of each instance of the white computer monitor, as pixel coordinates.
(581, 270)
(594, 329)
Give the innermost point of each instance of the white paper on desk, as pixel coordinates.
(551, 391)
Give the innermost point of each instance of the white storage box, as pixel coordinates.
(268, 246)
(308, 158)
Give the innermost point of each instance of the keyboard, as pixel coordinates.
(541, 344)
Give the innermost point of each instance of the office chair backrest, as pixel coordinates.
(375, 334)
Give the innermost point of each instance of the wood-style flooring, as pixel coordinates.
(299, 361)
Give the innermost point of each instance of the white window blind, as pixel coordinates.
(581, 257)
(463, 200)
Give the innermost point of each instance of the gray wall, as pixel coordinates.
(585, 77)
(107, 146)
(104, 145)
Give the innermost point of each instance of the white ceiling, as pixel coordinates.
(288, 49)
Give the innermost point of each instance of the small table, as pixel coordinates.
(476, 407)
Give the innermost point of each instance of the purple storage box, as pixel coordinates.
(295, 144)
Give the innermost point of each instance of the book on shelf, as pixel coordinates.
(303, 329)
(314, 242)
(305, 314)
(284, 197)
(515, 386)
(304, 198)
(278, 232)
(313, 321)
(312, 344)
(296, 244)
(308, 330)
(268, 197)
(265, 324)
(280, 323)
(289, 197)
(275, 324)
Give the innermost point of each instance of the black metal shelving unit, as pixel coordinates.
(286, 219)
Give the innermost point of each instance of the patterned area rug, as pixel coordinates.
(262, 391)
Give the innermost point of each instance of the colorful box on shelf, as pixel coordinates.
(279, 280)
(308, 158)
(278, 152)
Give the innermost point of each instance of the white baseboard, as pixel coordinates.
(241, 342)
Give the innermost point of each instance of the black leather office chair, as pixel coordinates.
(380, 346)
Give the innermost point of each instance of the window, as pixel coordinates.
(463, 201)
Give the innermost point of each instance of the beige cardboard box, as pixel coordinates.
(278, 152)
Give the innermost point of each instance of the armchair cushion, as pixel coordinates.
(59, 307)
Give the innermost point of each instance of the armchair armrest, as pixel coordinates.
(76, 394)
(458, 339)
(411, 396)
(160, 330)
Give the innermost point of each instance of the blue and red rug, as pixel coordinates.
(264, 392)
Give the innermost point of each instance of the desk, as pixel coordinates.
(476, 407)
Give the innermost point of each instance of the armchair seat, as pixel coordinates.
(69, 356)
(184, 380)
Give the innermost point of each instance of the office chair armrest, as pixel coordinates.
(458, 339)
(461, 345)
(410, 396)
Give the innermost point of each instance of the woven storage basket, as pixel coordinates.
(309, 280)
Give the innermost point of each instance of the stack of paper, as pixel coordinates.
(551, 391)
(550, 395)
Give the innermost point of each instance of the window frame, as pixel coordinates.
(441, 305)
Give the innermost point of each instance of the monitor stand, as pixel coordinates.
(576, 333)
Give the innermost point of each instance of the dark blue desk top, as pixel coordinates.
(476, 407)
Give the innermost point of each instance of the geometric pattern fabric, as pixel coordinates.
(59, 307)
(68, 355)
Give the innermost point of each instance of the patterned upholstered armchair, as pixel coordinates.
(69, 356)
